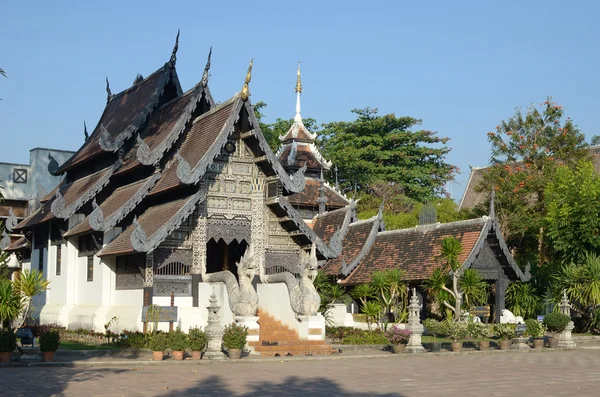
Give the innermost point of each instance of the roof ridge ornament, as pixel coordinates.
(492, 211)
(11, 221)
(173, 59)
(298, 117)
(108, 91)
(85, 131)
(204, 81)
(245, 94)
(52, 165)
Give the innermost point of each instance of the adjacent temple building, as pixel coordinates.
(175, 194)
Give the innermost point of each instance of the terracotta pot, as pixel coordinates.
(505, 344)
(177, 355)
(158, 356)
(456, 346)
(196, 355)
(538, 343)
(5, 357)
(235, 354)
(48, 356)
(553, 342)
(436, 347)
(484, 344)
(398, 349)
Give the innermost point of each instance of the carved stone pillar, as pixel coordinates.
(501, 286)
(148, 282)
(414, 325)
(565, 339)
(258, 229)
(198, 251)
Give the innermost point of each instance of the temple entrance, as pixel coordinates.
(222, 256)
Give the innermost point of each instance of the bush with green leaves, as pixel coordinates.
(535, 328)
(356, 336)
(504, 331)
(556, 322)
(8, 340)
(478, 330)
(457, 330)
(159, 342)
(235, 336)
(178, 340)
(133, 339)
(49, 341)
(435, 327)
(197, 338)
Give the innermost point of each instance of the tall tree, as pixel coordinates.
(383, 148)
(526, 150)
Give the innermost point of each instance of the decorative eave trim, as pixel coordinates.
(152, 157)
(492, 225)
(59, 208)
(5, 242)
(11, 221)
(294, 183)
(294, 129)
(377, 226)
(53, 165)
(96, 218)
(189, 175)
(142, 243)
(110, 144)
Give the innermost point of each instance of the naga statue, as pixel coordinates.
(243, 299)
(304, 298)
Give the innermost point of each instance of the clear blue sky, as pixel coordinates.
(460, 66)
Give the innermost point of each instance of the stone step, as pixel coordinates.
(284, 342)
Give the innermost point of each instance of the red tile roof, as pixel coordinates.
(327, 224)
(42, 215)
(353, 242)
(304, 155)
(308, 197)
(415, 250)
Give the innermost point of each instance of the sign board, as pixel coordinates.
(479, 311)
(540, 317)
(160, 314)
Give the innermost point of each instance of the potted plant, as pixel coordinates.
(435, 328)
(398, 338)
(479, 332)
(49, 342)
(234, 340)
(8, 343)
(505, 332)
(555, 323)
(198, 340)
(178, 342)
(158, 343)
(457, 330)
(536, 331)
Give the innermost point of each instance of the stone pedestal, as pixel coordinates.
(520, 344)
(30, 354)
(311, 327)
(214, 331)
(414, 325)
(565, 340)
(251, 323)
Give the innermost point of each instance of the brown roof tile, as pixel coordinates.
(123, 110)
(327, 224)
(301, 136)
(42, 215)
(353, 242)
(308, 197)
(415, 250)
(75, 190)
(151, 221)
(304, 155)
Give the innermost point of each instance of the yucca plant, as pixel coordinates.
(30, 284)
(11, 303)
(372, 309)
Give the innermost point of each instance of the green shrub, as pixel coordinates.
(235, 336)
(133, 339)
(8, 340)
(359, 317)
(198, 339)
(158, 342)
(435, 327)
(478, 330)
(366, 338)
(178, 340)
(556, 322)
(504, 331)
(457, 330)
(535, 329)
(49, 341)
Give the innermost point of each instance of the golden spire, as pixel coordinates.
(245, 89)
(298, 82)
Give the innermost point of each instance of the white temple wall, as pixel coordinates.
(275, 300)
(57, 290)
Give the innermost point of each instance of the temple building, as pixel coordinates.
(174, 193)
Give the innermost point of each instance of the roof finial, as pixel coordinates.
(322, 200)
(85, 133)
(298, 117)
(108, 93)
(337, 185)
(492, 213)
(245, 89)
(174, 53)
(204, 81)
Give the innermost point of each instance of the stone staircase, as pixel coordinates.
(275, 338)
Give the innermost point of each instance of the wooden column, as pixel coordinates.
(148, 283)
(501, 286)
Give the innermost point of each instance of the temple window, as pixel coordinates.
(90, 268)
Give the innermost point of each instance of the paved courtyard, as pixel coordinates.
(564, 373)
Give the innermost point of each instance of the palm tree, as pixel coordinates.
(11, 303)
(474, 288)
(372, 309)
(451, 250)
(363, 292)
(390, 287)
(30, 284)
